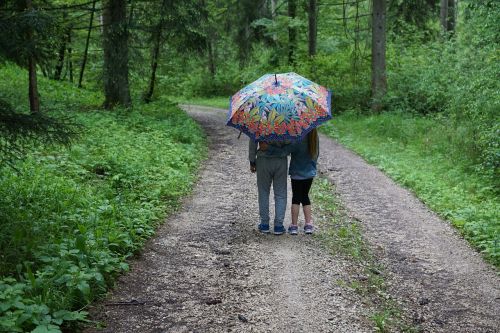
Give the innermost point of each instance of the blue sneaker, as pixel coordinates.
(293, 229)
(279, 230)
(308, 229)
(264, 228)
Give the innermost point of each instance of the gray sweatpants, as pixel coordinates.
(272, 170)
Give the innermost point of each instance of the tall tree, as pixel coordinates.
(447, 15)
(62, 51)
(379, 78)
(155, 54)
(87, 42)
(313, 26)
(292, 31)
(115, 44)
(34, 97)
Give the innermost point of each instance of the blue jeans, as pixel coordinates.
(272, 170)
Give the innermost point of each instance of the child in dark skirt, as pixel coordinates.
(302, 170)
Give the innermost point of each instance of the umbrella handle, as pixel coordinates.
(239, 134)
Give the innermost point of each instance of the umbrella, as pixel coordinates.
(279, 107)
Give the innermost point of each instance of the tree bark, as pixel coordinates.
(292, 32)
(33, 86)
(379, 79)
(274, 6)
(313, 26)
(87, 42)
(447, 15)
(34, 98)
(211, 57)
(115, 44)
(60, 59)
(70, 59)
(154, 64)
(451, 16)
(443, 17)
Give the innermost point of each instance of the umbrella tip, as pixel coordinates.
(276, 78)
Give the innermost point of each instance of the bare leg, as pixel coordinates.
(307, 214)
(295, 213)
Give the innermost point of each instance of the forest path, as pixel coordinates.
(209, 270)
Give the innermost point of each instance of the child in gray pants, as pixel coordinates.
(270, 170)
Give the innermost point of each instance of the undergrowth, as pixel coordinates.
(70, 217)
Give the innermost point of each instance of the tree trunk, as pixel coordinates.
(154, 64)
(451, 16)
(447, 15)
(33, 86)
(60, 60)
(70, 60)
(34, 98)
(292, 32)
(87, 42)
(211, 57)
(274, 6)
(379, 79)
(115, 44)
(443, 17)
(313, 25)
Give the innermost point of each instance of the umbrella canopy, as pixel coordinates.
(279, 107)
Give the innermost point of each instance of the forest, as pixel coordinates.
(95, 151)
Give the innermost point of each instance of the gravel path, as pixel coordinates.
(208, 270)
(441, 280)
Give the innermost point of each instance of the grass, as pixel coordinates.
(421, 154)
(71, 216)
(216, 102)
(343, 236)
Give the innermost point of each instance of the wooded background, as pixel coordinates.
(416, 91)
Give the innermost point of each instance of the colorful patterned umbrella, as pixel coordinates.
(279, 107)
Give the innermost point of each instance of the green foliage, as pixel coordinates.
(26, 33)
(19, 132)
(70, 217)
(422, 154)
(458, 78)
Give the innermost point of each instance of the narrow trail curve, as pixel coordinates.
(208, 269)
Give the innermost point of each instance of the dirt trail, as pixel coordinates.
(435, 272)
(208, 270)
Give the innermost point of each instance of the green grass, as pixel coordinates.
(423, 154)
(71, 216)
(216, 102)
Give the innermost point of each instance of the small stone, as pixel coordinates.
(242, 318)
(213, 301)
(423, 301)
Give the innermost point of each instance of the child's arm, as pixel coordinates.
(252, 154)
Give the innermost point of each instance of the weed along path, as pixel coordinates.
(208, 269)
